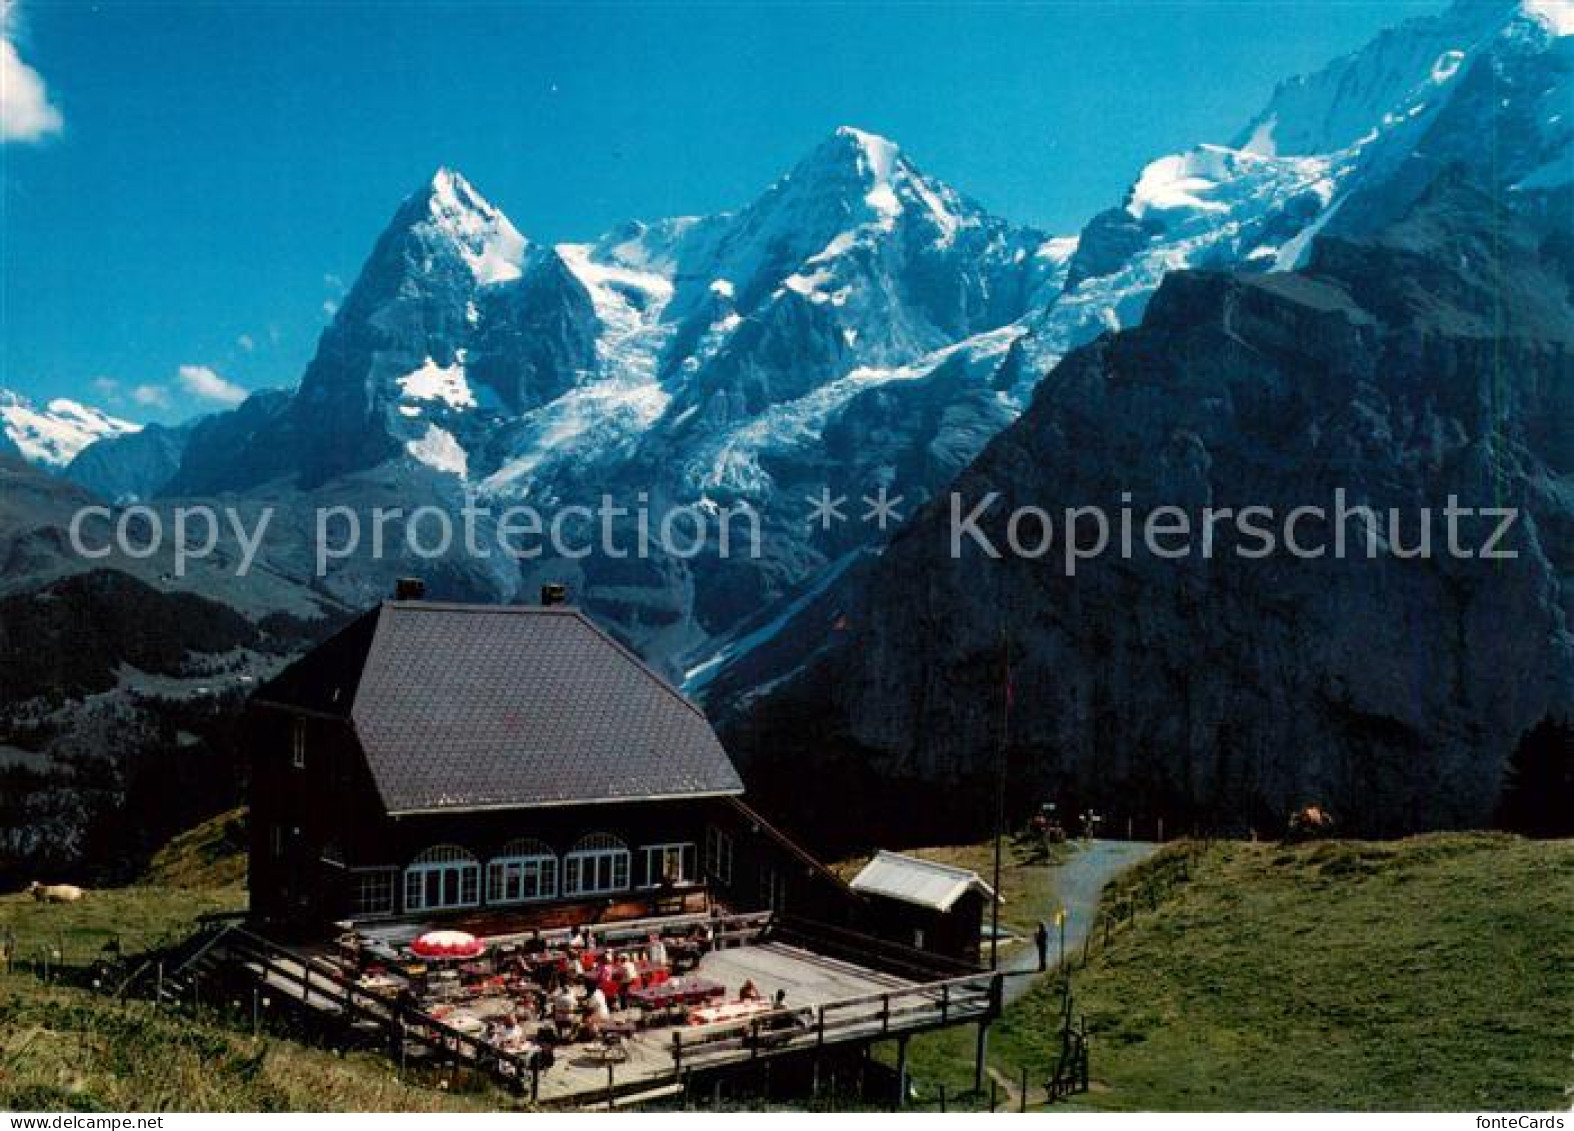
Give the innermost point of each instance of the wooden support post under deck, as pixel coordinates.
(901, 1071)
(979, 1053)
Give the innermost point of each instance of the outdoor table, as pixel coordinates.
(382, 985)
(729, 1011)
(492, 1005)
(466, 1022)
(607, 1051)
(525, 1048)
(590, 979)
(677, 991)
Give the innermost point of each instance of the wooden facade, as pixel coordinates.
(954, 933)
(324, 850)
(507, 769)
(335, 834)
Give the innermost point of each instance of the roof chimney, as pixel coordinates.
(409, 589)
(554, 593)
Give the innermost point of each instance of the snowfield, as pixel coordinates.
(52, 436)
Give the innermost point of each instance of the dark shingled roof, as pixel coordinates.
(477, 706)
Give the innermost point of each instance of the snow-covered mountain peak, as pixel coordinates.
(876, 183)
(873, 160)
(490, 245)
(52, 436)
(1394, 78)
(848, 148)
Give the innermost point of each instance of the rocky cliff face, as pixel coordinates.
(1436, 360)
(131, 467)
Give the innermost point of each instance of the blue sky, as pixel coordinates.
(195, 183)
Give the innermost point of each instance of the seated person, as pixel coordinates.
(563, 1006)
(749, 991)
(511, 1035)
(535, 944)
(597, 1013)
(609, 987)
(656, 951)
(628, 972)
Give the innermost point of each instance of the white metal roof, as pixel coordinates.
(922, 882)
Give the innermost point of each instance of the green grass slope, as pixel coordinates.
(1430, 973)
(67, 1047)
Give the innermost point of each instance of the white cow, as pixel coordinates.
(55, 893)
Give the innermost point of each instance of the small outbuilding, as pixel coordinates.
(932, 907)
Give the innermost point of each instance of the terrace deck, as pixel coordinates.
(829, 1002)
(812, 982)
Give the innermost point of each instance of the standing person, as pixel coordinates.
(1041, 940)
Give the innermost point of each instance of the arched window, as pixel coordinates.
(597, 863)
(443, 876)
(521, 871)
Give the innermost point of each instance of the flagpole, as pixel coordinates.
(1000, 803)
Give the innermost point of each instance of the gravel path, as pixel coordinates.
(1078, 884)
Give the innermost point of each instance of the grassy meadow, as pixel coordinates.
(67, 1046)
(1433, 973)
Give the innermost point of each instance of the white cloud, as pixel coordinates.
(200, 381)
(329, 307)
(151, 396)
(26, 114)
(246, 342)
(108, 389)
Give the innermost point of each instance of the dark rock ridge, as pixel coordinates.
(133, 467)
(1434, 360)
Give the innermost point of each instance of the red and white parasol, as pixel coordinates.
(448, 944)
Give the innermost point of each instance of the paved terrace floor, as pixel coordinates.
(809, 979)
